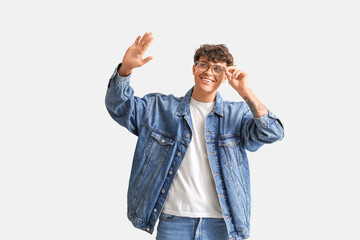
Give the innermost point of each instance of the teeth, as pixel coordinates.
(206, 80)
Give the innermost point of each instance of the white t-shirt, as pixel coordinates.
(193, 193)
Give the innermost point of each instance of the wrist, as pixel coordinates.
(245, 92)
(124, 71)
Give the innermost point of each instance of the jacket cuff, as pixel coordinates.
(268, 119)
(119, 80)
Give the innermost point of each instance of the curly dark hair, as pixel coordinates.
(215, 53)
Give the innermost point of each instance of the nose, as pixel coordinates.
(209, 71)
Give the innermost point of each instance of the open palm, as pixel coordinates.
(133, 57)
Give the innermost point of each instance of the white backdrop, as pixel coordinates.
(65, 163)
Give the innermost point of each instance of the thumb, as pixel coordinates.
(147, 59)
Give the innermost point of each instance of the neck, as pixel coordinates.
(204, 97)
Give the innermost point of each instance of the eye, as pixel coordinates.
(203, 65)
(218, 69)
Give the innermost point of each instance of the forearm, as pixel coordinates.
(120, 102)
(118, 93)
(257, 108)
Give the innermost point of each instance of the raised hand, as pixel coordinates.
(238, 79)
(133, 57)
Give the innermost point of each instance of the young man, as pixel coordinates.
(190, 168)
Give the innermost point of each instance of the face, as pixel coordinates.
(207, 82)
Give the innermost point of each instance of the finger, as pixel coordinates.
(147, 44)
(143, 39)
(146, 60)
(237, 73)
(146, 39)
(232, 68)
(228, 75)
(137, 40)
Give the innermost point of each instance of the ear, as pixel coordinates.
(193, 69)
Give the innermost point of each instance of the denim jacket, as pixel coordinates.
(164, 129)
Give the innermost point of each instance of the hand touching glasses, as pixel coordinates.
(238, 79)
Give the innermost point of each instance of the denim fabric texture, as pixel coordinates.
(164, 129)
(184, 228)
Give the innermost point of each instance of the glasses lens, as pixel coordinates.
(217, 70)
(202, 66)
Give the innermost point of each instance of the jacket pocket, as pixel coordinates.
(166, 217)
(158, 148)
(229, 148)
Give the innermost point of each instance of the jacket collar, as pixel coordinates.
(184, 107)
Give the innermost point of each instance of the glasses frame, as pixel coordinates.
(210, 66)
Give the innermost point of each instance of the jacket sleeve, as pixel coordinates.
(258, 131)
(125, 108)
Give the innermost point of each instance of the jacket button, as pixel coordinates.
(148, 229)
(155, 209)
(179, 154)
(170, 172)
(187, 135)
(163, 140)
(163, 191)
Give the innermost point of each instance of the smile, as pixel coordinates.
(208, 80)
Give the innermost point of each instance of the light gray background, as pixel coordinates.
(65, 163)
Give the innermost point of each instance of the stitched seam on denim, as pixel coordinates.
(128, 123)
(165, 134)
(151, 145)
(122, 84)
(232, 144)
(139, 183)
(238, 192)
(147, 188)
(229, 136)
(238, 154)
(147, 113)
(246, 195)
(227, 156)
(235, 182)
(163, 156)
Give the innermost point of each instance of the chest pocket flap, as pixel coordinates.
(161, 139)
(229, 142)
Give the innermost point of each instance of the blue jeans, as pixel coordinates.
(183, 228)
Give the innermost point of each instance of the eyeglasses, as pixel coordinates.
(204, 66)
